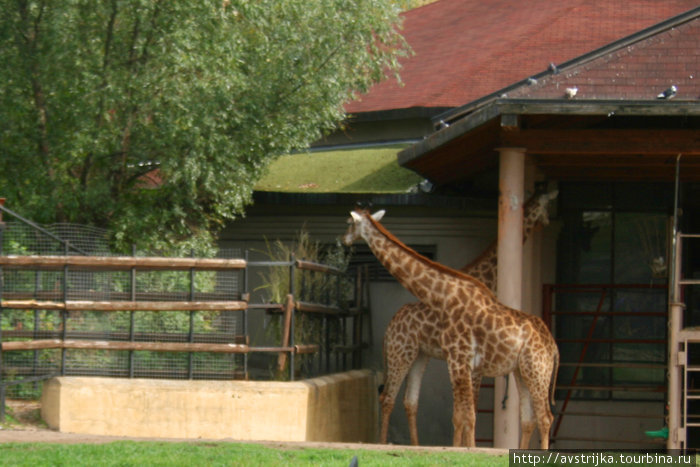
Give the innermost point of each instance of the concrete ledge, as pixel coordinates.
(342, 407)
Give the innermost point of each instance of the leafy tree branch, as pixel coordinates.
(155, 119)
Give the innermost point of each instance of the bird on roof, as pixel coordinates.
(553, 68)
(571, 92)
(668, 93)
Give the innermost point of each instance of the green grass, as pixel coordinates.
(127, 453)
(369, 170)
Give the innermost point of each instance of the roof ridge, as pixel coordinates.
(639, 36)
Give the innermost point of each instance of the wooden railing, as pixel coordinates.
(133, 341)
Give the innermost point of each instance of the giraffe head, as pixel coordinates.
(537, 212)
(357, 224)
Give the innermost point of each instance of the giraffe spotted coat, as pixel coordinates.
(478, 335)
(412, 336)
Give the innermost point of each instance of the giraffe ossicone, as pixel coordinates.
(478, 336)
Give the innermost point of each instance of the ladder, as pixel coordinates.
(681, 395)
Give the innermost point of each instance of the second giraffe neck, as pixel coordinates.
(489, 254)
(429, 281)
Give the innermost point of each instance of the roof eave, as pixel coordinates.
(498, 107)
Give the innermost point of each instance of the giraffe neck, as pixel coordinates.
(530, 220)
(489, 255)
(431, 282)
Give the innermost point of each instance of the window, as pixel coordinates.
(362, 255)
(614, 239)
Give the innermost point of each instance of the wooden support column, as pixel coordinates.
(506, 421)
(676, 434)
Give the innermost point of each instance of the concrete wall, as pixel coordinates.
(340, 407)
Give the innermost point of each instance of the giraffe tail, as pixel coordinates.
(555, 371)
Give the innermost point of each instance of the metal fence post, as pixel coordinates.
(64, 312)
(292, 290)
(132, 279)
(2, 288)
(246, 297)
(190, 336)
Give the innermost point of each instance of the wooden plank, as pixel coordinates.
(112, 295)
(633, 142)
(311, 266)
(306, 348)
(119, 263)
(286, 332)
(124, 345)
(88, 305)
(597, 107)
(317, 308)
(207, 337)
(31, 345)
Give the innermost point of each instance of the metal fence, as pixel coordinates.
(70, 308)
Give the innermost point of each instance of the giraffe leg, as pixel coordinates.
(476, 385)
(463, 415)
(543, 412)
(399, 353)
(410, 401)
(392, 384)
(527, 422)
(542, 409)
(534, 379)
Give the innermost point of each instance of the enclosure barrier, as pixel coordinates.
(133, 340)
(596, 312)
(684, 341)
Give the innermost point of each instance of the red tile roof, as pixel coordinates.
(639, 70)
(466, 49)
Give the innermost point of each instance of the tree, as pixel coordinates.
(155, 118)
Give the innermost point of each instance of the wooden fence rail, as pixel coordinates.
(87, 305)
(59, 299)
(119, 263)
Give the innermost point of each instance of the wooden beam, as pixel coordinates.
(604, 142)
(598, 107)
(309, 307)
(286, 331)
(86, 305)
(119, 263)
(123, 345)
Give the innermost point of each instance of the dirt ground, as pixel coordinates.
(31, 429)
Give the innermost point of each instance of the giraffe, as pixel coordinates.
(412, 337)
(478, 335)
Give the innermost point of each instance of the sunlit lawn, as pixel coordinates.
(126, 453)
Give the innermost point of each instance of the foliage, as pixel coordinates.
(154, 119)
(308, 286)
(218, 453)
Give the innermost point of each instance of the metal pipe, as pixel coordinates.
(293, 291)
(190, 335)
(132, 279)
(2, 287)
(245, 310)
(675, 324)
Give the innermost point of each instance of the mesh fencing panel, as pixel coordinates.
(328, 331)
(137, 326)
